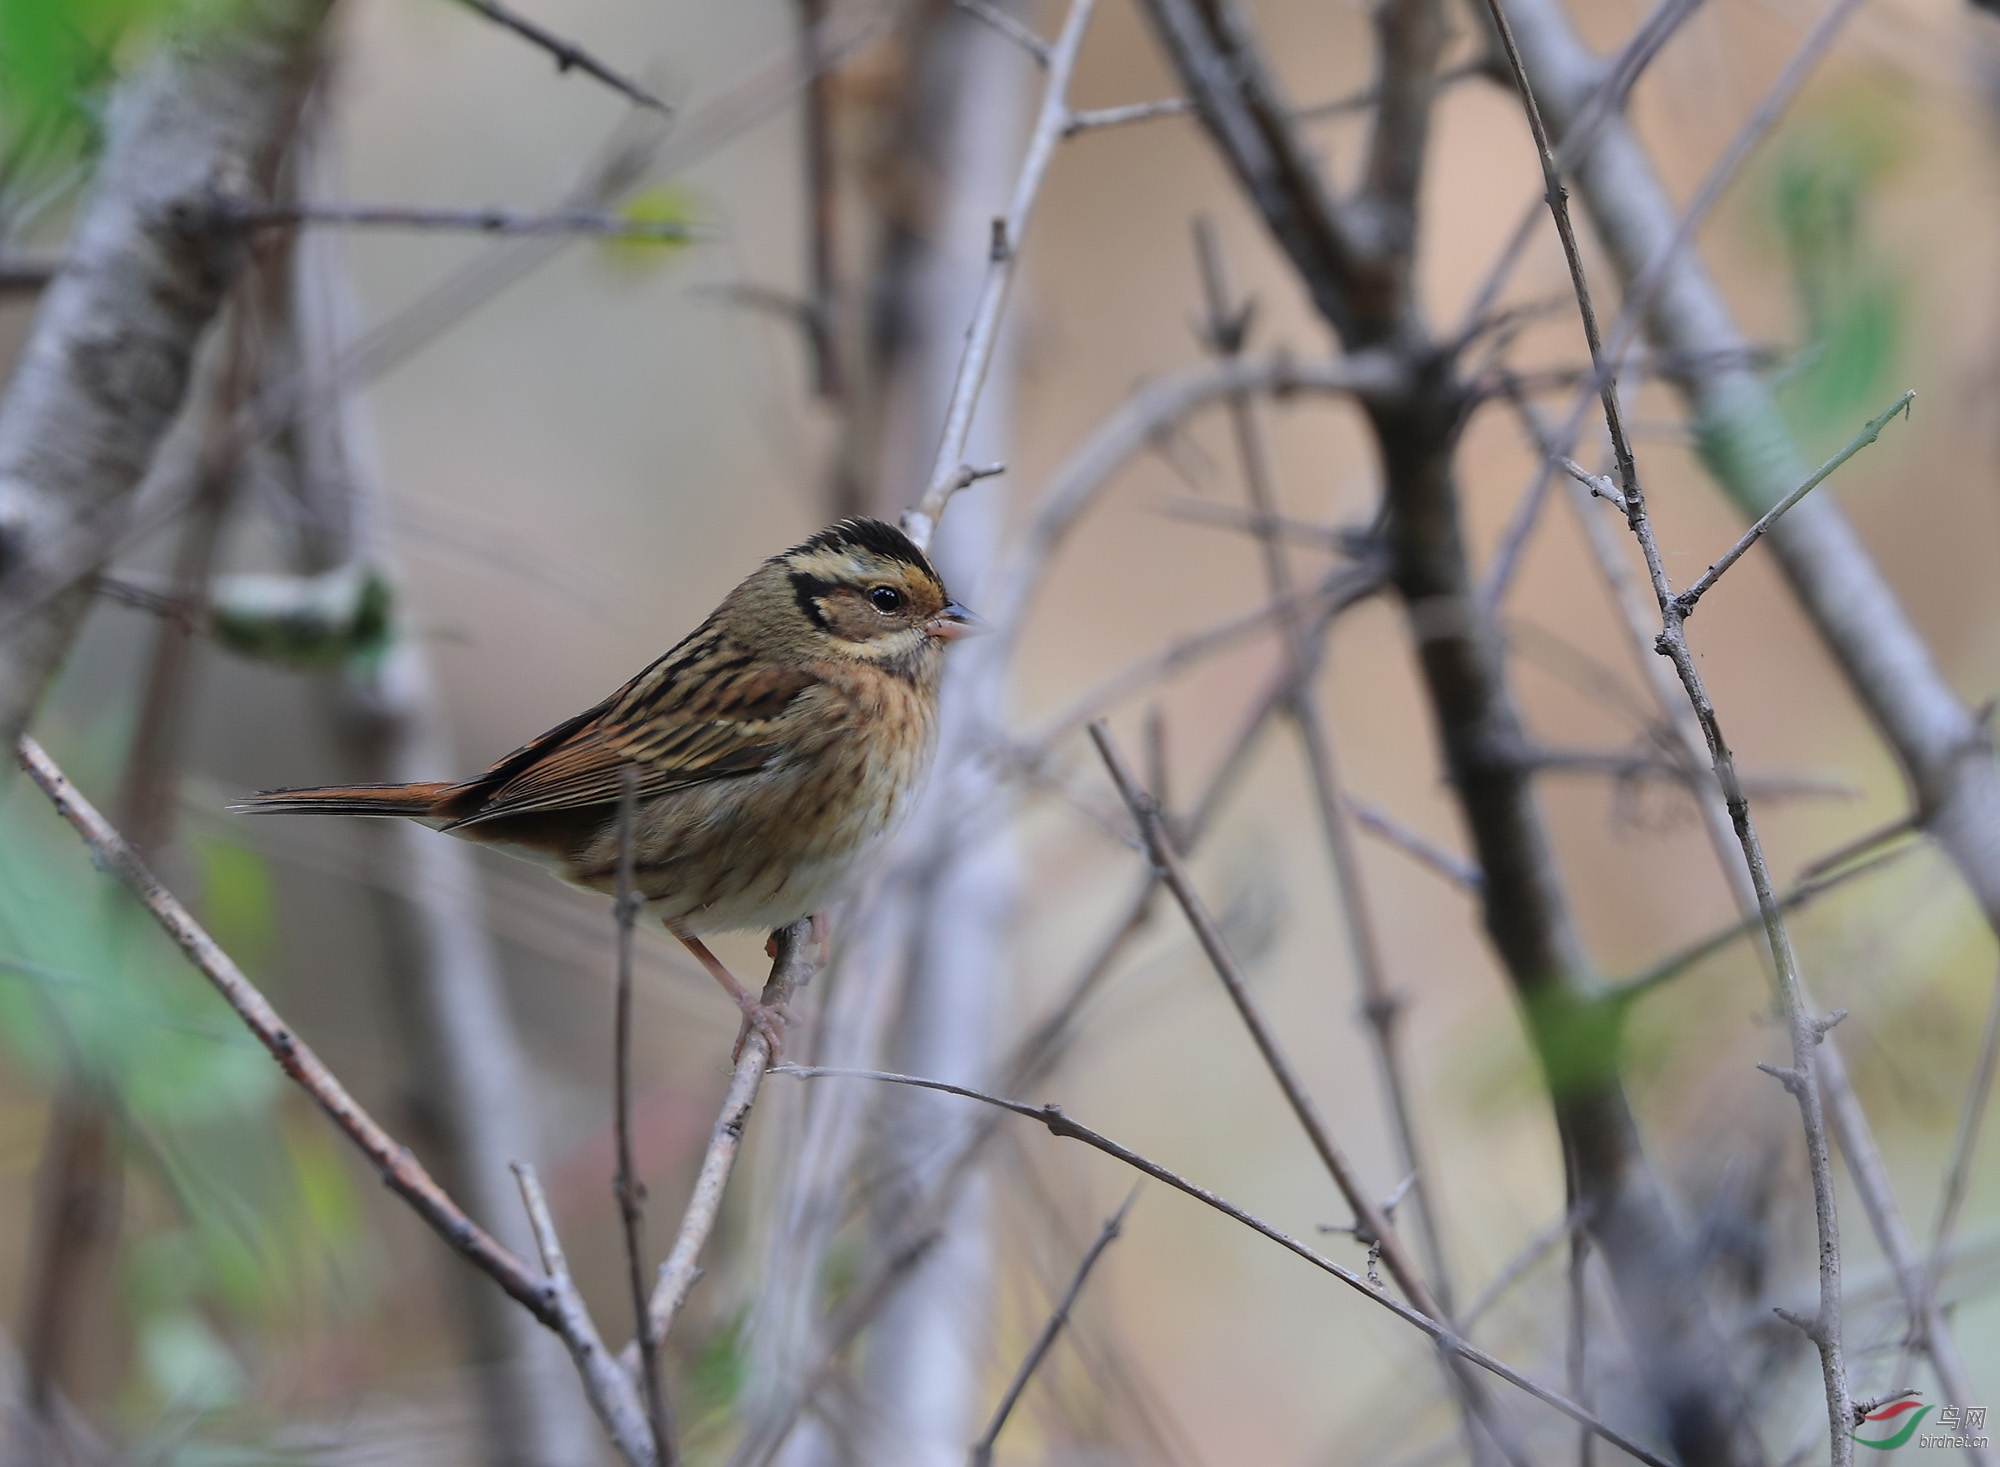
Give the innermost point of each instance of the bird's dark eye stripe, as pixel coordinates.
(808, 590)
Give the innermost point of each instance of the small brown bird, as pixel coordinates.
(776, 748)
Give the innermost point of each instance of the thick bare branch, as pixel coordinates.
(791, 970)
(106, 366)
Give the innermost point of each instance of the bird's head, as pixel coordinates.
(866, 591)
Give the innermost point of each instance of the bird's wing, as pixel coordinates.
(685, 720)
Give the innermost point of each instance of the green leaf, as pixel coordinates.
(662, 204)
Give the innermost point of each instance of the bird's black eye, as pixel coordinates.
(885, 599)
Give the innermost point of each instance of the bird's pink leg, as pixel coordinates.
(766, 1019)
(822, 931)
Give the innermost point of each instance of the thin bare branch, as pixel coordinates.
(1606, 100)
(1103, 117)
(1862, 845)
(1060, 1124)
(791, 970)
(1800, 896)
(1460, 872)
(982, 1450)
(1410, 34)
(1339, 590)
(1869, 433)
(400, 1171)
(630, 1191)
(1371, 1225)
(611, 1390)
(1516, 1268)
(598, 222)
(1140, 420)
(983, 333)
(1637, 610)
(1367, 97)
(566, 54)
(611, 1394)
(1333, 539)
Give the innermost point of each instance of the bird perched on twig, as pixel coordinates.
(776, 748)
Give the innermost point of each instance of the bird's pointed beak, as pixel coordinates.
(954, 622)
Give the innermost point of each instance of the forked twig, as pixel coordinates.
(610, 1389)
(610, 1394)
(1870, 431)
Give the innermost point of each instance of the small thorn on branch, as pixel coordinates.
(1791, 1079)
(970, 474)
(1360, 1233)
(1821, 1026)
(1599, 485)
(567, 54)
(1810, 1328)
(999, 252)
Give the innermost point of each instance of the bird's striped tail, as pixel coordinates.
(418, 801)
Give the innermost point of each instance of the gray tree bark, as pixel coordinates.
(956, 881)
(107, 364)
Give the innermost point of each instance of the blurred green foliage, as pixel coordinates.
(56, 59)
(665, 203)
(1815, 196)
(244, 1214)
(710, 1388)
(309, 623)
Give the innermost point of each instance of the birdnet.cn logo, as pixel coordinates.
(1894, 1425)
